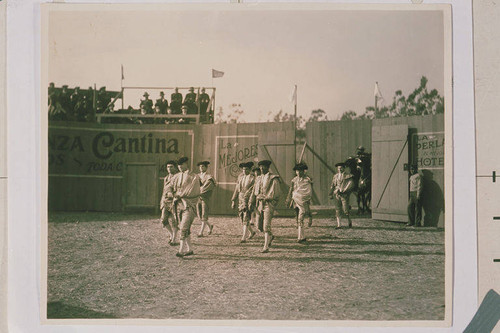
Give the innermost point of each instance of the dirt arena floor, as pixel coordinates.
(120, 266)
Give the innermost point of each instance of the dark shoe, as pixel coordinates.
(337, 227)
(243, 241)
(271, 240)
(410, 224)
(174, 244)
(350, 225)
(264, 251)
(210, 229)
(253, 234)
(180, 255)
(302, 240)
(189, 253)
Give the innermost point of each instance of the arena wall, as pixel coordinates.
(114, 167)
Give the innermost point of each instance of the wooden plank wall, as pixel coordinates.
(71, 188)
(433, 195)
(334, 141)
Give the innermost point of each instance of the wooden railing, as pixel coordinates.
(196, 117)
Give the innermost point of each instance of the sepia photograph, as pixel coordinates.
(252, 163)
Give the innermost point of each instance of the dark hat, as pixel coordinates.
(264, 162)
(65, 86)
(145, 94)
(205, 163)
(342, 164)
(361, 148)
(162, 93)
(182, 160)
(203, 89)
(246, 165)
(191, 89)
(300, 166)
(172, 162)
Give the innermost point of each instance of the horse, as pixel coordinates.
(360, 168)
(364, 192)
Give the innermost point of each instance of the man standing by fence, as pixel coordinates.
(415, 202)
(241, 194)
(340, 191)
(265, 196)
(207, 183)
(167, 206)
(184, 188)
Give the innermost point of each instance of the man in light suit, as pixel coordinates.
(241, 195)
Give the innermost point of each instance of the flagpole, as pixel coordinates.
(295, 126)
(376, 97)
(121, 85)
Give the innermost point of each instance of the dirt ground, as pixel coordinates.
(120, 266)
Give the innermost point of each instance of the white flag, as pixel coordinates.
(377, 93)
(293, 95)
(216, 73)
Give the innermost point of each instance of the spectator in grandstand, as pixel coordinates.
(170, 120)
(184, 111)
(162, 103)
(203, 101)
(52, 100)
(190, 101)
(176, 101)
(145, 120)
(146, 103)
(103, 100)
(65, 100)
(75, 97)
(157, 113)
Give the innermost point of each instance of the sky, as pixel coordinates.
(333, 56)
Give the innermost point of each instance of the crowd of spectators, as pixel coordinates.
(77, 104)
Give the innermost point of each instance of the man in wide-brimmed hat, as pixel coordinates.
(340, 191)
(265, 196)
(203, 207)
(241, 195)
(146, 103)
(184, 188)
(162, 103)
(190, 101)
(167, 218)
(299, 198)
(176, 101)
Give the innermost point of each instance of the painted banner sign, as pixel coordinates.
(97, 151)
(230, 152)
(429, 150)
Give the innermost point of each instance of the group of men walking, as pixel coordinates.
(256, 195)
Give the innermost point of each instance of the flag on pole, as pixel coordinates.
(293, 95)
(123, 77)
(377, 93)
(216, 73)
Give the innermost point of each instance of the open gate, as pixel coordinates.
(389, 177)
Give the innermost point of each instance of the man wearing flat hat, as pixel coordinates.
(166, 204)
(241, 195)
(340, 191)
(184, 188)
(207, 185)
(265, 196)
(299, 198)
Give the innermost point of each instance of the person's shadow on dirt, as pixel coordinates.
(432, 199)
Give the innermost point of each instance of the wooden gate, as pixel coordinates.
(389, 177)
(141, 186)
